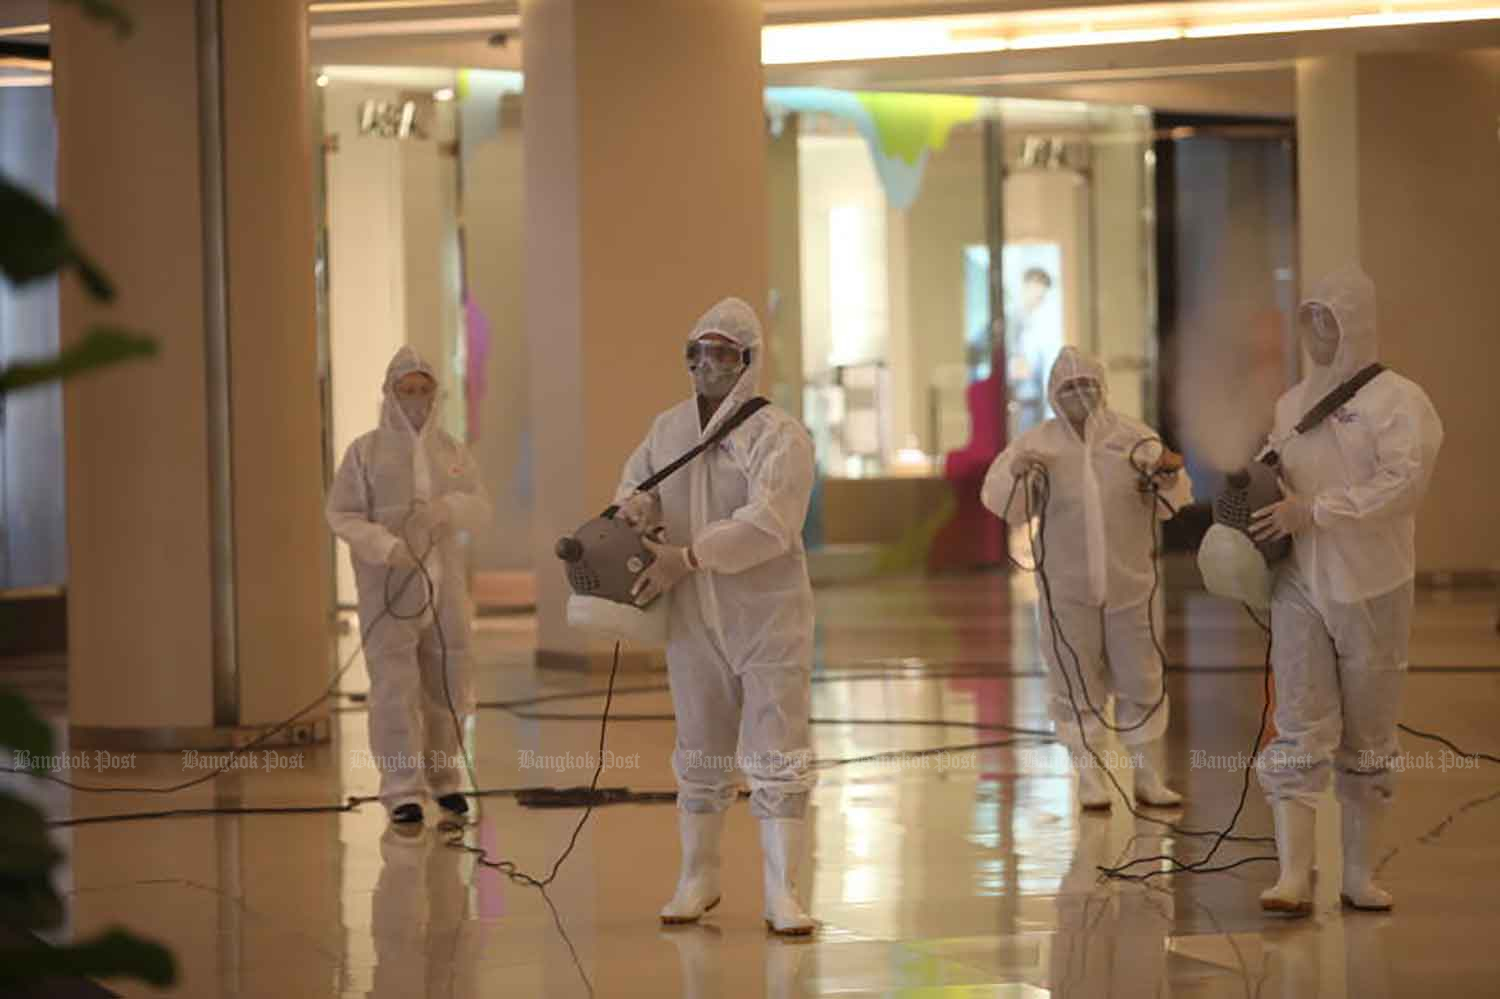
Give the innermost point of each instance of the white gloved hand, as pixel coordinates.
(1164, 475)
(641, 511)
(1284, 519)
(1027, 460)
(400, 557)
(1030, 466)
(672, 564)
(428, 522)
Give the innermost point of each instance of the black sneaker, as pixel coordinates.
(454, 803)
(408, 814)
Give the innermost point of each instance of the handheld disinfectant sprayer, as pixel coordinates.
(603, 559)
(1234, 564)
(605, 556)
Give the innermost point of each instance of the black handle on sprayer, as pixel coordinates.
(748, 409)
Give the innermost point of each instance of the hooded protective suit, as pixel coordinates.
(1099, 532)
(381, 498)
(1341, 611)
(739, 651)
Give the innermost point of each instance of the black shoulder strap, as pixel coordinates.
(1341, 394)
(747, 409)
(1338, 397)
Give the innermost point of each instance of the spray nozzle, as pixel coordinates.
(1239, 479)
(569, 549)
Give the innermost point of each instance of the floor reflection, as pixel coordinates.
(944, 859)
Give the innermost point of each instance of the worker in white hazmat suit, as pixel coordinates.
(403, 494)
(1099, 532)
(739, 651)
(1341, 607)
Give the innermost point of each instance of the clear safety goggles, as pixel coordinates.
(725, 354)
(1084, 390)
(421, 387)
(1317, 320)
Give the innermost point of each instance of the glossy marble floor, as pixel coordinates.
(964, 873)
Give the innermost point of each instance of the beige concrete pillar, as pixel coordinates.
(784, 188)
(198, 578)
(494, 255)
(1397, 165)
(645, 204)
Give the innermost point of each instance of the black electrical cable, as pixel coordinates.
(457, 830)
(1039, 733)
(1037, 487)
(509, 868)
(1201, 866)
(593, 796)
(237, 752)
(182, 813)
(904, 673)
(1044, 493)
(1439, 739)
(914, 754)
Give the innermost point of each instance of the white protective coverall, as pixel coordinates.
(387, 478)
(740, 639)
(739, 652)
(1099, 534)
(1342, 604)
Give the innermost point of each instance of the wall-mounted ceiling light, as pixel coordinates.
(887, 39)
(444, 94)
(358, 6)
(1266, 27)
(322, 80)
(1425, 17)
(1069, 39)
(1124, 24)
(422, 26)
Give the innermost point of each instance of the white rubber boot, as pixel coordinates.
(1296, 826)
(698, 884)
(781, 848)
(1362, 825)
(1150, 787)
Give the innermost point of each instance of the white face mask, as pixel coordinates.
(1077, 399)
(416, 410)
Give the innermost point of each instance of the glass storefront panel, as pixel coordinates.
(900, 275)
(930, 254)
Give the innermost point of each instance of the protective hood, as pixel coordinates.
(405, 362)
(1350, 296)
(1073, 363)
(735, 320)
